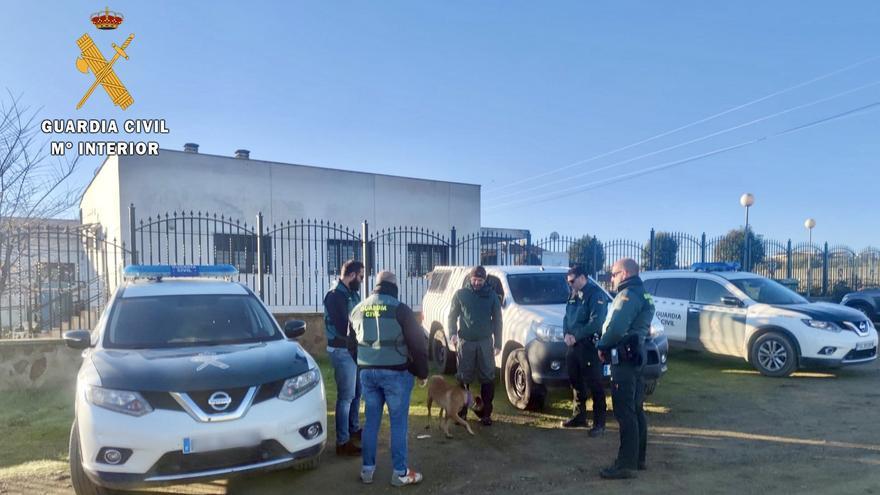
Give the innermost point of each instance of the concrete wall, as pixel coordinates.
(240, 188)
(38, 363)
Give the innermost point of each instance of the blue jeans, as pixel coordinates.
(392, 388)
(348, 393)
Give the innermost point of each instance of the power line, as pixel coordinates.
(694, 123)
(592, 185)
(692, 141)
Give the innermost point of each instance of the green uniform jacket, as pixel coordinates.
(476, 315)
(585, 312)
(631, 312)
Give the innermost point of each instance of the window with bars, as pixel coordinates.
(239, 250)
(422, 258)
(341, 250)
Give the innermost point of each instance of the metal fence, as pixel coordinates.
(61, 277)
(56, 278)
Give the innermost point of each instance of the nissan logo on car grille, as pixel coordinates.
(219, 401)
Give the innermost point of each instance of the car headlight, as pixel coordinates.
(822, 325)
(656, 329)
(123, 401)
(549, 333)
(297, 386)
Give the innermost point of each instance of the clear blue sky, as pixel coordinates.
(495, 91)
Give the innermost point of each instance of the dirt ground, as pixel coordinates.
(716, 426)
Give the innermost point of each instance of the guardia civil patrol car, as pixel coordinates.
(714, 307)
(188, 378)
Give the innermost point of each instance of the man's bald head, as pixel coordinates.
(623, 269)
(628, 265)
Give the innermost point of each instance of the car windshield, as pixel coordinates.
(766, 291)
(539, 288)
(192, 320)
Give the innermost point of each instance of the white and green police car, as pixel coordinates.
(186, 378)
(714, 307)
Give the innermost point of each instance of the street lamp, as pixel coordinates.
(747, 200)
(809, 224)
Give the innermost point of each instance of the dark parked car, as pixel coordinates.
(867, 301)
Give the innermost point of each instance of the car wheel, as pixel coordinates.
(522, 392)
(441, 356)
(774, 355)
(82, 485)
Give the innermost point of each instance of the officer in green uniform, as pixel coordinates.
(584, 315)
(622, 345)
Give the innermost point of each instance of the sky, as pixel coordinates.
(551, 106)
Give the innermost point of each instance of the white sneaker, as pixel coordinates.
(367, 477)
(410, 478)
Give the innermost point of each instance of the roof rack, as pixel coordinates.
(718, 266)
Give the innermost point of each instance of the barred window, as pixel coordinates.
(422, 258)
(239, 250)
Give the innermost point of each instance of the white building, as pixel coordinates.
(410, 220)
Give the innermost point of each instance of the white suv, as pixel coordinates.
(186, 378)
(717, 309)
(533, 300)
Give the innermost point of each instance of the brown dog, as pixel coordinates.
(451, 399)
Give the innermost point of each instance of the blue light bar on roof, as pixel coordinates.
(719, 266)
(159, 271)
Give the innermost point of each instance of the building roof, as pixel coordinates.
(252, 161)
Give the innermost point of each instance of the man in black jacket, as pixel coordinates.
(338, 303)
(391, 350)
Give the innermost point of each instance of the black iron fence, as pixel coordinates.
(61, 277)
(56, 278)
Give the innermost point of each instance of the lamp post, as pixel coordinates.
(809, 224)
(747, 200)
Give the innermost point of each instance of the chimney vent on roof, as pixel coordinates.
(243, 154)
(191, 148)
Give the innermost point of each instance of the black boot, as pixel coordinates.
(578, 417)
(487, 393)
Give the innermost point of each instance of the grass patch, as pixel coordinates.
(35, 425)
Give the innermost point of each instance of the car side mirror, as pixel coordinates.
(294, 329)
(78, 339)
(731, 301)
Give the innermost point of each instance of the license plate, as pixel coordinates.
(207, 443)
(861, 346)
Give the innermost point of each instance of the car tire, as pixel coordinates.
(774, 355)
(441, 356)
(522, 392)
(82, 485)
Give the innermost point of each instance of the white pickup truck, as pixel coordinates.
(533, 302)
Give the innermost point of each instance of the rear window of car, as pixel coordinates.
(675, 288)
(188, 320)
(438, 281)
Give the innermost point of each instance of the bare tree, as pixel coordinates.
(33, 184)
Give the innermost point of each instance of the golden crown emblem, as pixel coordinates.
(107, 19)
